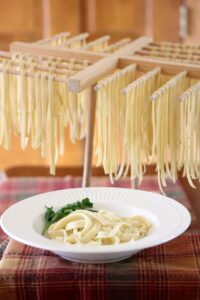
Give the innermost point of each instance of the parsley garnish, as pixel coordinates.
(52, 217)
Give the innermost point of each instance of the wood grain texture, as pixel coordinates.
(20, 20)
(65, 16)
(89, 140)
(193, 22)
(119, 18)
(166, 20)
(16, 157)
(38, 170)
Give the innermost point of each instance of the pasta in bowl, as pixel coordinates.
(165, 219)
(101, 227)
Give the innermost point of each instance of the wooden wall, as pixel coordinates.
(30, 20)
(20, 20)
(193, 21)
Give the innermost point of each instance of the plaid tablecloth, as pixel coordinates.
(169, 271)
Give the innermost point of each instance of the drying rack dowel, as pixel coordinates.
(87, 171)
(36, 49)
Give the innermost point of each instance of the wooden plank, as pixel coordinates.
(92, 74)
(169, 67)
(100, 69)
(55, 51)
(39, 170)
(134, 46)
(116, 17)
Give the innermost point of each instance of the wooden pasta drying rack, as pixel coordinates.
(102, 64)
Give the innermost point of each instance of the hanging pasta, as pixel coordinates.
(37, 105)
(97, 45)
(138, 125)
(132, 131)
(189, 158)
(110, 115)
(55, 40)
(76, 42)
(14, 104)
(166, 127)
(5, 124)
(116, 46)
(64, 110)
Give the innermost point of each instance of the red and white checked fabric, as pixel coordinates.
(166, 272)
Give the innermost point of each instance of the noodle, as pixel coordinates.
(110, 119)
(190, 141)
(98, 228)
(138, 128)
(166, 127)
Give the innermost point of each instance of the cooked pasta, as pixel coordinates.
(98, 228)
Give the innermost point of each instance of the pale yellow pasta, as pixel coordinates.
(13, 104)
(166, 127)
(110, 116)
(39, 108)
(189, 159)
(5, 124)
(138, 126)
(51, 123)
(85, 227)
(131, 130)
(55, 40)
(44, 104)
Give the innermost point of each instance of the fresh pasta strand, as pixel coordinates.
(138, 128)
(51, 123)
(190, 141)
(28, 108)
(44, 103)
(166, 127)
(14, 105)
(5, 124)
(38, 110)
(110, 119)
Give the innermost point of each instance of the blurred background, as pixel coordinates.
(31, 20)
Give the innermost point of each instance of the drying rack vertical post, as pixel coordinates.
(88, 154)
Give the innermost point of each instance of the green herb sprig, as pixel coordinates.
(52, 217)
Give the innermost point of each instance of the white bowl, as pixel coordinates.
(24, 221)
